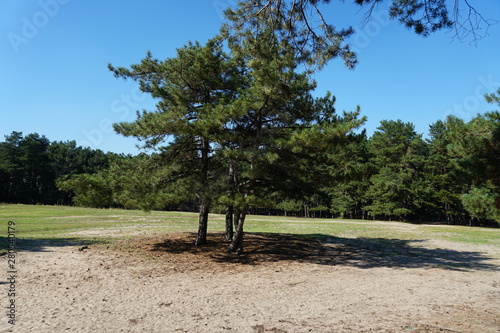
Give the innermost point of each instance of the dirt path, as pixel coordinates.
(284, 284)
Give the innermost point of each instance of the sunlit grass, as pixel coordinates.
(58, 222)
(55, 221)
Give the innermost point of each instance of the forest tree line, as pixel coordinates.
(395, 174)
(31, 165)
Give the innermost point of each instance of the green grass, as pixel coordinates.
(58, 222)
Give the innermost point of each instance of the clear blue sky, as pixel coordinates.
(54, 54)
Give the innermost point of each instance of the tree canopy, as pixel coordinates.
(228, 124)
(303, 23)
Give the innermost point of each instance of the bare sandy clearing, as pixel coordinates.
(284, 283)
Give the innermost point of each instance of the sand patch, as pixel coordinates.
(283, 283)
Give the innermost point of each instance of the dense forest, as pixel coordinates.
(450, 177)
(31, 165)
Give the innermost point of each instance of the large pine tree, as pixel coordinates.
(194, 90)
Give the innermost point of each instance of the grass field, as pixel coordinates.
(59, 223)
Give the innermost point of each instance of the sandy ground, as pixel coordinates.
(282, 284)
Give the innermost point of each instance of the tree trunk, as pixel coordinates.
(231, 184)
(237, 241)
(201, 238)
(229, 222)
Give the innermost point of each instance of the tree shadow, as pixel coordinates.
(321, 249)
(366, 252)
(42, 245)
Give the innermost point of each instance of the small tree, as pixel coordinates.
(90, 190)
(480, 204)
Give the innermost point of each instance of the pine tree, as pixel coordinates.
(194, 89)
(398, 188)
(349, 174)
(273, 107)
(446, 180)
(277, 127)
(317, 41)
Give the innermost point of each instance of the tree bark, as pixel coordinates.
(231, 183)
(201, 238)
(229, 222)
(237, 241)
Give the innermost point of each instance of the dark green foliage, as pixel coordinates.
(422, 16)
(493, 151)
(465, 159)
(30, 166)
(195, 90)
(27, 174)
(348, 172)
(249, 112)
(316, 41)
(313, 167)
(442, 174)
(91, 190)
(480, 204)
(398, 154)
(129, 182)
